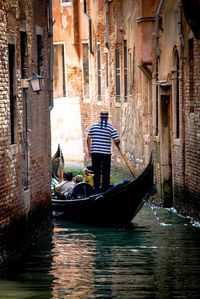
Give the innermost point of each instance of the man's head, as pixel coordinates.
(68, 176)
(104, 113)
(78, 178)
(104, 117)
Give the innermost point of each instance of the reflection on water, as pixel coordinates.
(157, 257)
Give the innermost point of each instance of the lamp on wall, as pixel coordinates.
(36, 82)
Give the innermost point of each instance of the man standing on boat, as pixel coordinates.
(99, 140)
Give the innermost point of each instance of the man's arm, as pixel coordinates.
(115, 136)
(117, 142)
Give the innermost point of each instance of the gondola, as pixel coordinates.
(57, 168)
(117, 206)
(57, 163)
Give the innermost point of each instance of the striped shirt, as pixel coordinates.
(101, 138)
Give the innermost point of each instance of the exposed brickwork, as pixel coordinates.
(13, 204)
(192, 127)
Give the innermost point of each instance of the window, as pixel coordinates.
(125, 72)
(85, 6)
(23, 54)
(99, 71)
(66, 2)
(13, 104)
(86, 70)
(39, 54)
(90, 35)
(117, 73)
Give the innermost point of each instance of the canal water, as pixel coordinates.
(158, 256)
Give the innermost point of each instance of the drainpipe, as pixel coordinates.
(160, 6)
(50, 83)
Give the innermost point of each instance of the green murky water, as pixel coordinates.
(157, 257)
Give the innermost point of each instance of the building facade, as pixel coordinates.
(66, 116)
(176, 104)
(25, 158)
(140, 60)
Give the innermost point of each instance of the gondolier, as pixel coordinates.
(99, 140)
(114, 207)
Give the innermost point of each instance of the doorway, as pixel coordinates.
(166, 159)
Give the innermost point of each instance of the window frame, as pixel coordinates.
(117, 75)
(125, 71)
(66, 3)
(86, 70)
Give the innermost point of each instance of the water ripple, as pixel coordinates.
(157, 257)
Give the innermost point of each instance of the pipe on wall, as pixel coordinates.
(50, 35)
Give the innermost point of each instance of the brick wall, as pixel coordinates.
(14, 203)
(192, 127)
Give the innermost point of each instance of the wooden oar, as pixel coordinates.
(126, 161)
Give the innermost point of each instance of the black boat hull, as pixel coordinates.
(117, 206)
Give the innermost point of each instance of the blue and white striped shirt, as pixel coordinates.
(101, 138)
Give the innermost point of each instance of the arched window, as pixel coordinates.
(176, 95)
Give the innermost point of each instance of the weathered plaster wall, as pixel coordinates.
(68, 22)
(132, 118)
(176, 35)
(65, 116)
(147, 120)
(66, 131)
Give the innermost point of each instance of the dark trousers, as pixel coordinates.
(101, 168)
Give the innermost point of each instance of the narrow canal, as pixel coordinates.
(157, 257)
